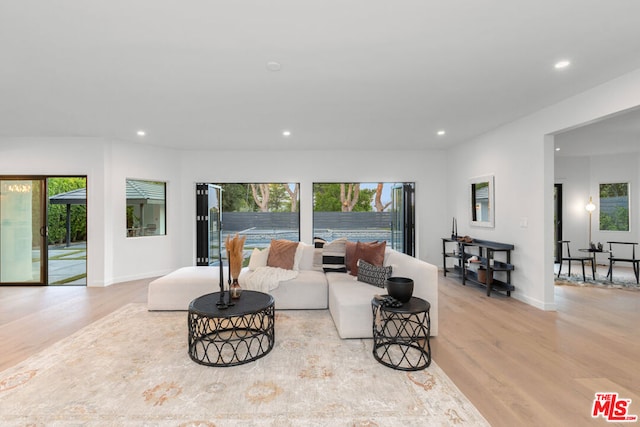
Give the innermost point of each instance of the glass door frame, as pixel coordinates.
(403, 218)
(39, 229)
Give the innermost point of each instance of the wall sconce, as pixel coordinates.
(590, 208)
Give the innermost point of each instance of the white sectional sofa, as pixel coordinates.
(348, 300)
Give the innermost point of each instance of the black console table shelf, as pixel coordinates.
(485, 251)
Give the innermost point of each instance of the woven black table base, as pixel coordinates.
(401, 334)
(233, 336)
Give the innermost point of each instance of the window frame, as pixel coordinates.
(143, 191)
(606, 217)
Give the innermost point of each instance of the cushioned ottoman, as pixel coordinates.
(177, 289)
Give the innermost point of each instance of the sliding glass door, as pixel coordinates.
(208, 224)
(403, 218)
(23, 248)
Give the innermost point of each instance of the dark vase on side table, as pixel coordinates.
(400, 288)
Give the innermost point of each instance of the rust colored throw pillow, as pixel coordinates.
(282, 254)
(373, 253)
(350, 255)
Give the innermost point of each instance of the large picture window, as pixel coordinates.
(146, 208)
(614, 206)
(261, 212)
(366, 212)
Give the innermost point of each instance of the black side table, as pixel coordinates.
(401, 335)
(233, 336)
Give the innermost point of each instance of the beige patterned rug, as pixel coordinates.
(132, 368)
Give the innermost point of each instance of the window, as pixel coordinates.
(366, 212)
(614, 207)
(261, 212)
(146, 208)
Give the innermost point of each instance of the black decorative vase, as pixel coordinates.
(401, 288)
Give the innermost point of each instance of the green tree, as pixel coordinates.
(327, 198)
(57, 214)
(237, 198)
(279, 200)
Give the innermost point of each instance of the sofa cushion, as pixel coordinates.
(350, 305)
(282, 254)
(305, 292)
(373, 274)
(333, 256)
(371, 252)
(176, 290)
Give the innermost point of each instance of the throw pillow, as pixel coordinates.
(333, 256)
(373, 274)
(297, 257)
(282, 254)
(318, 243)
(258, 258)
(350, 255)
(372, 252)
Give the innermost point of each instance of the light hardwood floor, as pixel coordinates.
(517, 364)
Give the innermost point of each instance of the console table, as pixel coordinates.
(497, 273)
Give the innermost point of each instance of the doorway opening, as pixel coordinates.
(43, 230)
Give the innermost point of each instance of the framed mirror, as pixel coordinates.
(482, 201)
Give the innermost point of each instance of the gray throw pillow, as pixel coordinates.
(373, 275)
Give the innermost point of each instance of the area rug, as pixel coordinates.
(600, 282)
(132, 368)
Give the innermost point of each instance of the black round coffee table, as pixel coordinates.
(401, 334)
(233, 336)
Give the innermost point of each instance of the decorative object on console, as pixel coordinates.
(401, 288)
(454, 229)
(372, 274)
(235, 248)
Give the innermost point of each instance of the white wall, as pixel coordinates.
(521, 154)
(111, 257)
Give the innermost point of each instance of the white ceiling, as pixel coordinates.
(611, 135)
(360, 74)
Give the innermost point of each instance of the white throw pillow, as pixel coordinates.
(297, 257)
(258, 258)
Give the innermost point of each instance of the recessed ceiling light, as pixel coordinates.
(557, 148)
(286, 133)
(441, 132)
(273, 66)
(141, 133)
(562, 64)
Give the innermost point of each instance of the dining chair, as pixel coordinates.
(635, 262)
(569, 258)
